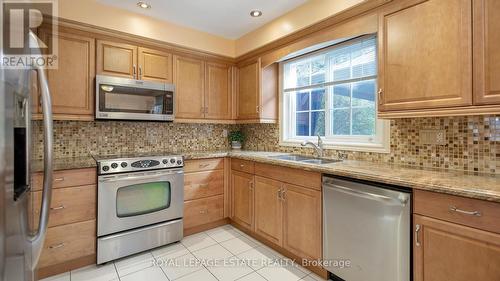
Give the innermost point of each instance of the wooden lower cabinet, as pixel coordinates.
(243, 201)
(269, 209)
(302, 222)
(448, 251)
(68, 242)
(203, 211)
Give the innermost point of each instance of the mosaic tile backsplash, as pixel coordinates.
(472, 142)
(77, 138)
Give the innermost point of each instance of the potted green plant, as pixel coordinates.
(236, 138)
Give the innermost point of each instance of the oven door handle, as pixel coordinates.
(116, 178)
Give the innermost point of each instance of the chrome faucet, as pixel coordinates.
(318, 147)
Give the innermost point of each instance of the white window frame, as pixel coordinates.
(379, 143)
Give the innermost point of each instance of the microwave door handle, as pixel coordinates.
(37, 240)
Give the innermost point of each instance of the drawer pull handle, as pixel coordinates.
(242, 165)
(58, 208)
(203, 185)
(59, 179)
(417, 230)
(204, 165)
(203, 211)
(470, 213)
(60, 245)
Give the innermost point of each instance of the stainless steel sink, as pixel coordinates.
(304, 159)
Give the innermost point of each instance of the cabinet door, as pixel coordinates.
(268, 210)
(71, 84)
(425, 55)
(486, 52)
(302, 222)
(249, 91)
(116, 59)
(189, 76)
(218, 97)
(242, 193)
(447, 251)
(155, 65)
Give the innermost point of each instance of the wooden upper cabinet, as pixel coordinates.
(155, 65)
(116, 59)
(302, 221)
(425, 55)
(269, 210)
(218, 97)
(71, 84)
(447, 251)
(486, 52)
(189, 80)
(243, 200)
(249, 91)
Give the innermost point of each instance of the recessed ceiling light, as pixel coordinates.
(143, 5)
(256, 13)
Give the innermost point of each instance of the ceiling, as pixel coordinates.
(227, 18)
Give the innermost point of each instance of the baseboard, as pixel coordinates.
(316, 269)
(55, 269)
(204, 227)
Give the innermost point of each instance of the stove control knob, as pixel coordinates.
(105, 168)
(124, 164)
(172, 160)
(165, 161)
(114, 165)
(179, 162)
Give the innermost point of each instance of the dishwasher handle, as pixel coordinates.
(402, 200)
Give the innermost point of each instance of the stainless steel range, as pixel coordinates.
(140, 203)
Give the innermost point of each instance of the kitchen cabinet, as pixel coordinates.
(134, 62)
(284, 214)
(189, 80)
(455, 238)
(486, 52)
(257, 99)
(448, 251)
(269, 209)
(302, 221)
(204, 90)
(204, 194)
(71, 236)
(425, 57)
(71, 83)
(218, 96)
(243, 199)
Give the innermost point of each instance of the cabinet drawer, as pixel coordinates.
(203, 165)
(458, 209)
(243, 166)
(203, 184)
(68, 205)
(289, 175)
(202, 211)
(68, 242)
(67, 178)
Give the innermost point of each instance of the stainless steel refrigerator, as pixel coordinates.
(19, 247)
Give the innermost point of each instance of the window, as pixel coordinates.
(332, 93)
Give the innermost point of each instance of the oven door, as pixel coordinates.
(129, 99)
(132, 200)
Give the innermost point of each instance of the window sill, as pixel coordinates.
(359, 147)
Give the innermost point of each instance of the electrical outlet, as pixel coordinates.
(433, 136)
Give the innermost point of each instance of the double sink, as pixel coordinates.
(304, 159)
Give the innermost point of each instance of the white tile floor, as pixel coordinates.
(223, 253)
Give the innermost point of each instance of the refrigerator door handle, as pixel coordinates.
(38, 239)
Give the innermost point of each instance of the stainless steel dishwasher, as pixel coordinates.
(366, 231)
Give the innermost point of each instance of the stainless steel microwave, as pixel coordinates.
(129, 99)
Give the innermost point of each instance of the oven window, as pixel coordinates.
(144, 198)
(114, 98)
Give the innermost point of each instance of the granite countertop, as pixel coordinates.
(484, 187)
